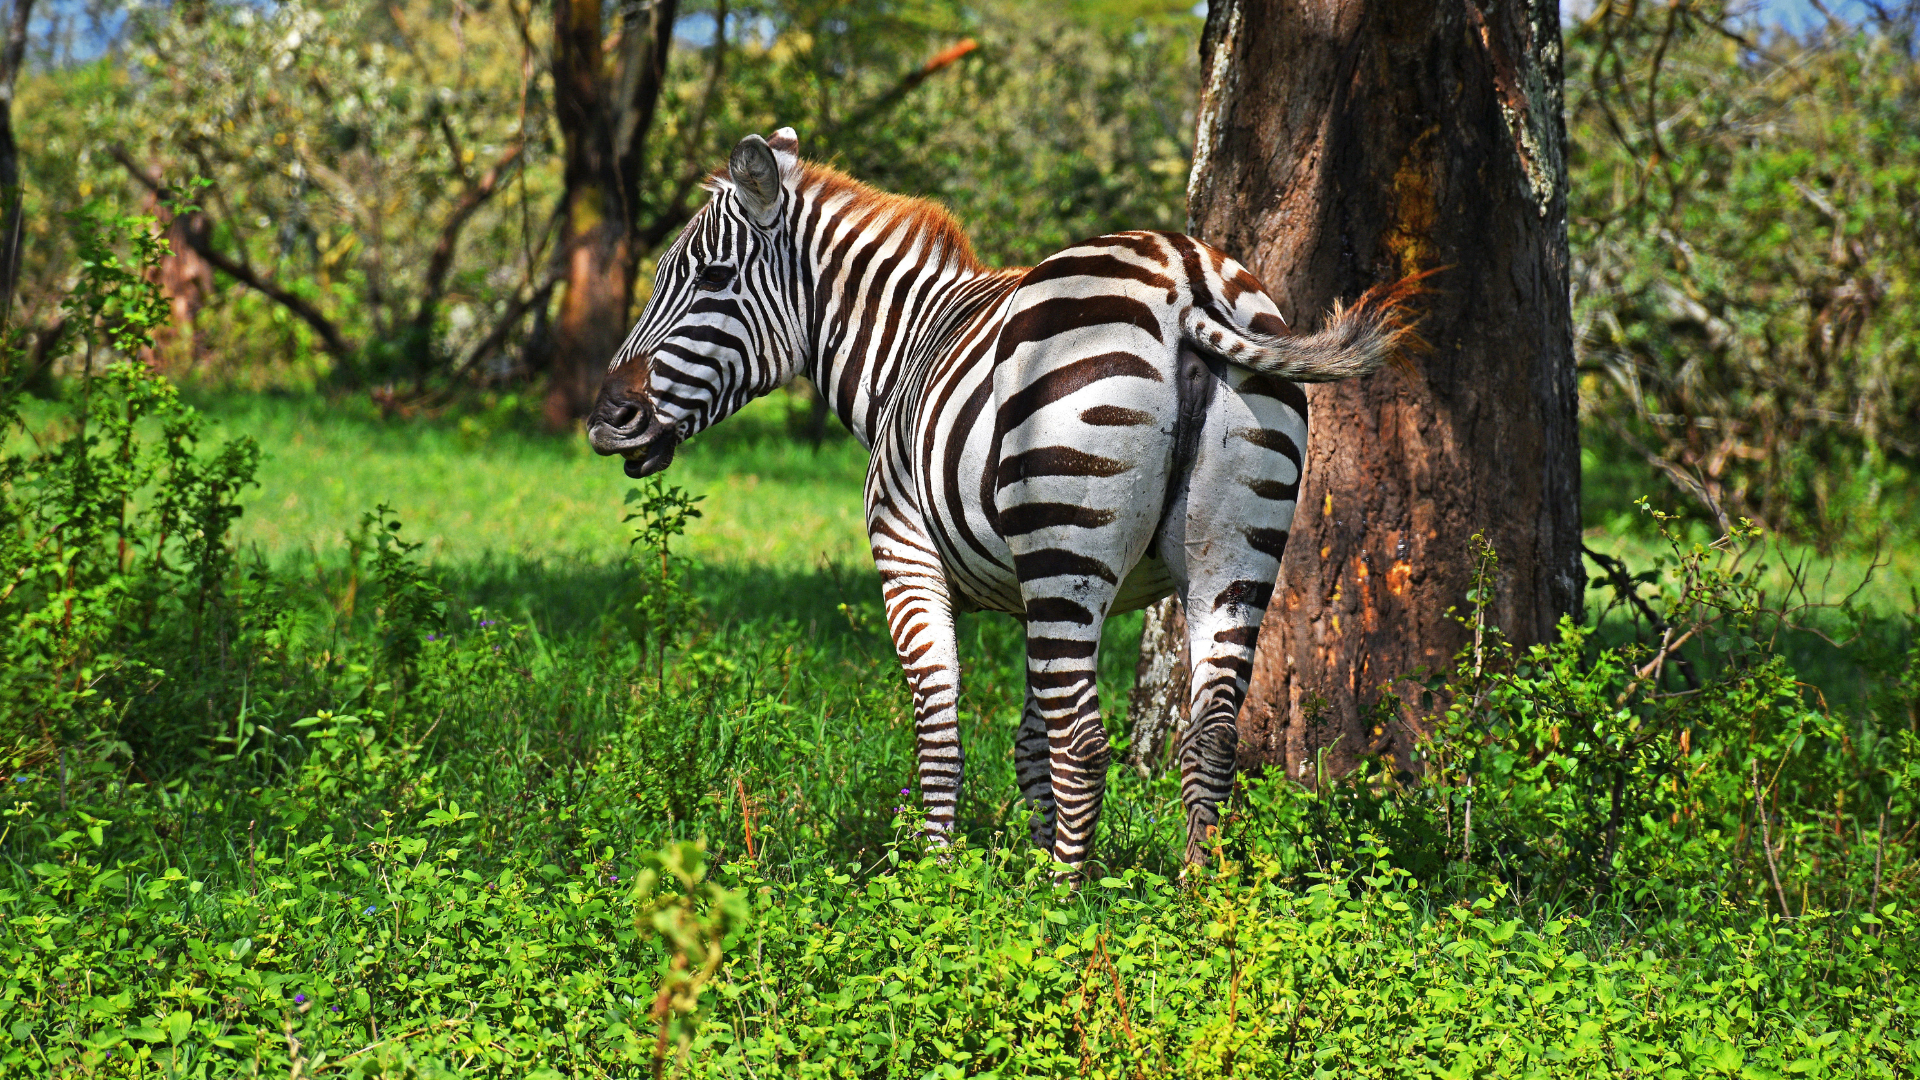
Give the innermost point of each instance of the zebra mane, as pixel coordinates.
(924, 218)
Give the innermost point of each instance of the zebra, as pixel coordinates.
(1062, 442)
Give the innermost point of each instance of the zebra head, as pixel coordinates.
(725, 321)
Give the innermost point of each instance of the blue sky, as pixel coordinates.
(1795, 15)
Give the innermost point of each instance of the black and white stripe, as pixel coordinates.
(1060, 442)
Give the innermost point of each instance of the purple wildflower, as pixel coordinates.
(299, 999)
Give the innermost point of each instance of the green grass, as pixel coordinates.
(472, 493)
(469, 864)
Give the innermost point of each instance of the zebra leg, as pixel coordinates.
(1230, 531)
(1062, 692)
(920, 620)
(1033, 767)
(1222, 642)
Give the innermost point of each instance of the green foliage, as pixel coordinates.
(1661, 774)
(392, 169)
(1745, 220)
(405, 955)
(519, 852)
(1064, 124)
(410, 603)
(365, 157)
(659, 605)
(114, 547)
(306, 815)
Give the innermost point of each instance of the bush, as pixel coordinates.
(116, 568)
(1662, 775)
(1745, 223)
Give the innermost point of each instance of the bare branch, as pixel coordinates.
(441, 261)
(873, 109)
(509, 319)
(329, 333)
(676, 213)
(643, 75)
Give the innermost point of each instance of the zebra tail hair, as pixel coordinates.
(1377, 329)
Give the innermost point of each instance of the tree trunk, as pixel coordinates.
(186, 278)
(605, 111)
(1346, 143)
(1161, 689)
(13, 52)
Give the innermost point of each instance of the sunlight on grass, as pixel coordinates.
(1824, 579)
(769, 501)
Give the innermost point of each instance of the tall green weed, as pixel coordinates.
(115, 560)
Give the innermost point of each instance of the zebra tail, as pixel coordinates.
(1379, 328)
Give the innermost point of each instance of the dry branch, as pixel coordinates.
(239, 271)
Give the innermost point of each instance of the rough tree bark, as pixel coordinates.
(604, 102)
(1348, 142)
(13, 52)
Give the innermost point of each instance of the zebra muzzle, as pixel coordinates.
(651, 458)
(632, 429)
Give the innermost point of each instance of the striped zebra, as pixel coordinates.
(1061, 442)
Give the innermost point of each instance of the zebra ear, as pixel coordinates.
(756, 179)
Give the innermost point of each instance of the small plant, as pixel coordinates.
(411, 605)
(692, 919)
(659, 607)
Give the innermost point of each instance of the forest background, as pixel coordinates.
(296, 785)
(384, 205)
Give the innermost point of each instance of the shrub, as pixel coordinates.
(116, 565)
(1664, 774)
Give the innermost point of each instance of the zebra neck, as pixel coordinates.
(883, 307)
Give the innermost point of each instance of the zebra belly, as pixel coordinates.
(1147, 583)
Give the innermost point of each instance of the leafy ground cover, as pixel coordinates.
(487, 835)
(300, 790)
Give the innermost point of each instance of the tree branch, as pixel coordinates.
(509, 319)
(676, 212)
(15, 50)
(441, 261)
(329, 333)
(1674, 473)
(873, 109)
(643, 75)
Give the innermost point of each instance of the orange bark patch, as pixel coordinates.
(1410, 237)
(1398, 576)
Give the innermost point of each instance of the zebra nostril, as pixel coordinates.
(619, 415)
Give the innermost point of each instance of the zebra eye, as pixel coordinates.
(715, 276)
